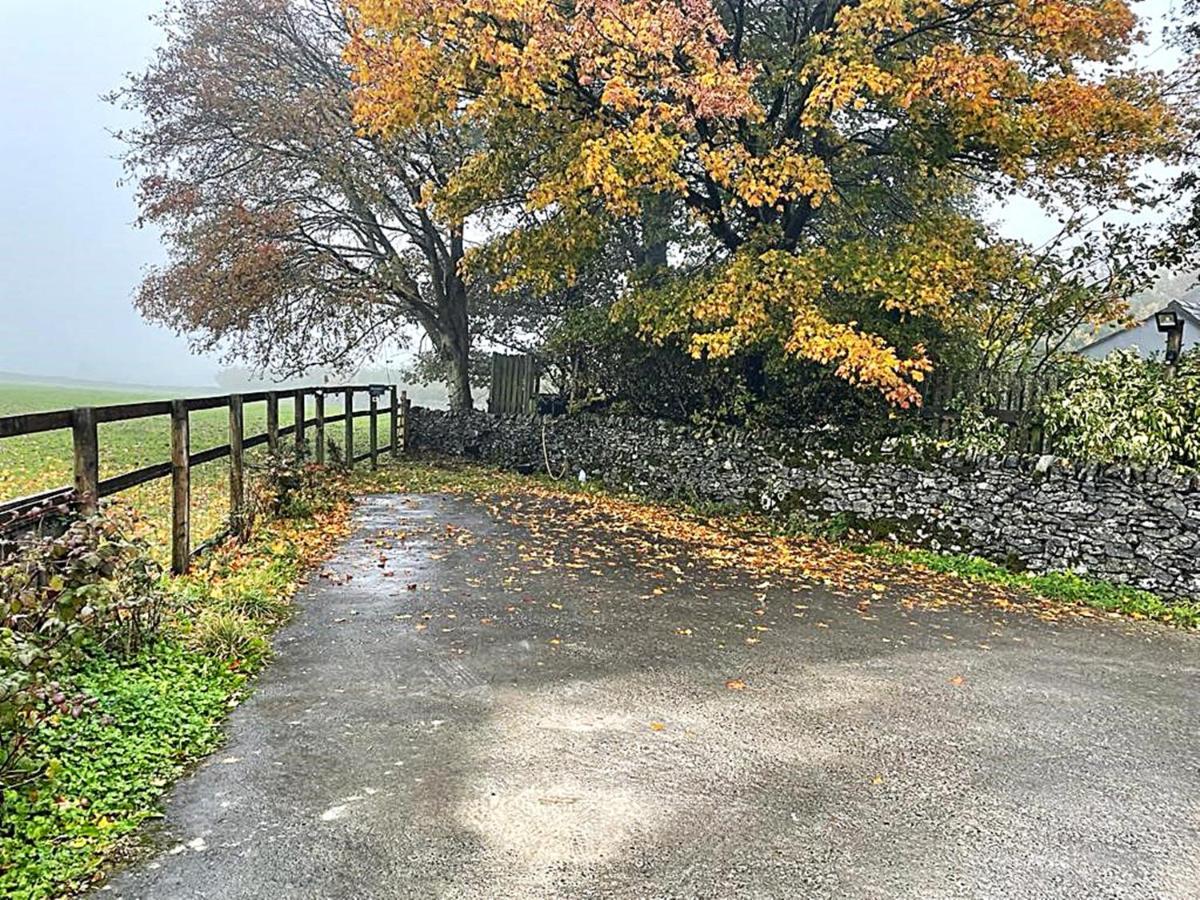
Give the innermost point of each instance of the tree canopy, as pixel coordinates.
(820, 161)
(295, 240)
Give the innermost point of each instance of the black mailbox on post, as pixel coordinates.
(377, 390)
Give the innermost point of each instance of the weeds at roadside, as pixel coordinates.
(154, 714)
(231, 637)
(1063, 587)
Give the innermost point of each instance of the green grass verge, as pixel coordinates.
(155, 714)
(1061, 587)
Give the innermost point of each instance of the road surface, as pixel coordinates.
(475, 703)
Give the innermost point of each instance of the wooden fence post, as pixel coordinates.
(181, 540)
(237, 467)
(298, 403)
(87, 460)
(405, 419)
(349, 404)
(273, 421)
(320, 400)
(395, 441)
(374, 431)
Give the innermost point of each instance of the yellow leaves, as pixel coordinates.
(785, 173)
(778, 296)
(589, 108)
(616, 165)
(1066, 28)
(735, 684)
(840, 83)
(619, 69)
(421, 63)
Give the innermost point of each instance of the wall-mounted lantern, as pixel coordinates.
(1170, 323)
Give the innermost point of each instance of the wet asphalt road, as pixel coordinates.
(458, 721)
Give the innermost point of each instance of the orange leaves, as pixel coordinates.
(487, 55)
(605, 67)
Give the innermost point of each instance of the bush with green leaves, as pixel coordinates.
(1125, 409)
(91, 587)
(100, 775)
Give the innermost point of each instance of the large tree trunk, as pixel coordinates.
(458, 384)
(455, 344)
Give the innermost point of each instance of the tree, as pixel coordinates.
(1184, 32)
(827, 152)
(295, 240)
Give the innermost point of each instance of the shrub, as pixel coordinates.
(92, 587)
(290, 487)
(1128, 410)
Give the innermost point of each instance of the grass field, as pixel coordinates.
(34, 463)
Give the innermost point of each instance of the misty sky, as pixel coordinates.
(70, 257)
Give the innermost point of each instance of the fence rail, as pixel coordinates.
(89, 488)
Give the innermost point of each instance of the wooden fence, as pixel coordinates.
(84, 496)
(514, 384)
(1013, 401)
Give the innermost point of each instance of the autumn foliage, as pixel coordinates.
(822, 159)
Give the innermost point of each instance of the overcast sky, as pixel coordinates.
(70, 257)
